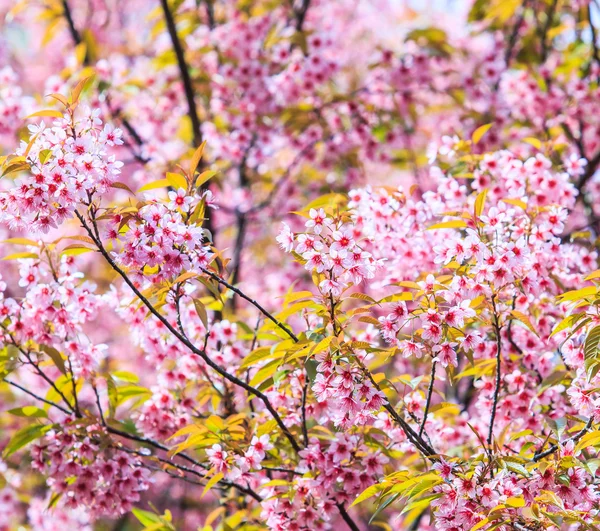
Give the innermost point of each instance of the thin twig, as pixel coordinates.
(429, 395)
(37, 397)
(254, 303)
(554, 447)
(498, 375)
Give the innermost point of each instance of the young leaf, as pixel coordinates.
(177, 181)
(196, 159)
(480, 132)
(24, 437)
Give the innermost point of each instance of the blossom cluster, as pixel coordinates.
(69, 162)
(158, 238)
(83, 474)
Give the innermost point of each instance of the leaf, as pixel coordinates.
(524, 319)
(29, 411)
(19, 256)
(578, 294)
(480, 524)
(161, 183)
(122, 186)
(15, 167)
(590, 348)
(46, 113)
(21, 241)
(59, 97)
(145, 517)
(454, 224)
(480, 202)
(589, 439)
(197, 158)
(177, 181)
(533, 142)
(125, 376)
(204, 176)
(213, 481)
(24, 437)
(201, 311)
(516, 202)
(55, 356)
(369, 492)
(567, 322)
(480, 132)
(76, 92)
(594, 275)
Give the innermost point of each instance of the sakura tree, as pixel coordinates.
(299, 265)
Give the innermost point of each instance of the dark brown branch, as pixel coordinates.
(49, 402)
(347, 518)
(300, 14)
(498, 376)
(429, 395)
(72, 29)
(189, 94)
(210, 13)
(201, 353)
(594, 37)
(554, 447)
(184, 72)
(545, 29)
(254, 303)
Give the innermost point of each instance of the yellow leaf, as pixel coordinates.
(524, 319)
(516, 202)
(594, 275)
(515, 501)
(162, 183)
(177, 181)
(196, 159)
(204, 176)
(480, 524)
(46, 113)
(480, 202)
(479, 132)
(18, 256)
(76, 93)
(369, 492)
(21, 241)
(589, 439)
(578, 294)
(533, 142)
(454, 224)
(213, 481)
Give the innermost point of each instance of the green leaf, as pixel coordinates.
(567, 322)
(590, 348)
(29, 411)
(201, 311)
(55, 356)
(24, 437)
(145, 517)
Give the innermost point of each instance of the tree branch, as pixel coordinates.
(201, 353)
(429, 395)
